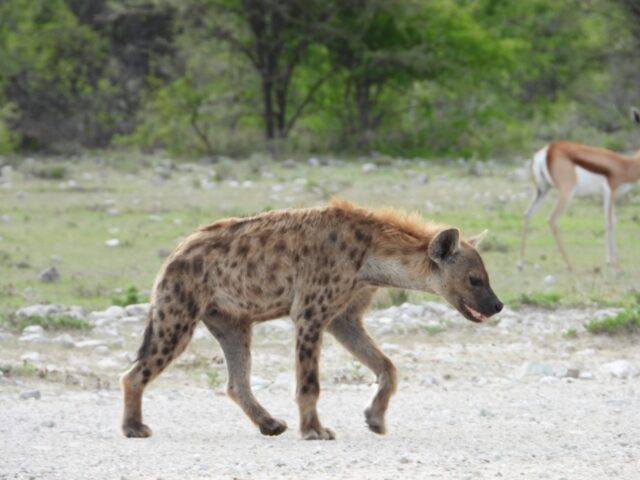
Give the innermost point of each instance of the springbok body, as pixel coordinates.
(577, 170)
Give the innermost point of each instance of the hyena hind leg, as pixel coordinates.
(235, 341)
(163, 342)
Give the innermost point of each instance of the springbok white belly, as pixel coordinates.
(589, 183)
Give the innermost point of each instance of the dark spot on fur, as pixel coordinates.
(192, 307)
(308, 313)
(242, 250)
(146, 372)
(154, 349)
(280, 247)
(159, 362)
(279, 291)
(166, 351)
(305, 250)
(360, 236)
(343, 246)
(197, 265)
(333, 236)
(161, 315)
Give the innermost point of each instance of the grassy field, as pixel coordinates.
(62, 214)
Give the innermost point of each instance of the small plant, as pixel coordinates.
(23, 370)
(49, 322)
(432, 329)
(538, 299)
(625, 322)
(398, 297)
(213, 378)
(130, 296)
(49, 172)
(570, 333)
(494, 244)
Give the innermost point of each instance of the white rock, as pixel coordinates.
(108, 363)
(620, 369)
(102, 350)
(35, 394)
(138, 309)
(31, 357)
(535, 369)
(33, 330)
(369, 167)
(549, 280)
(38, 311)
(65, 340)
(258, 383)
(112, 242)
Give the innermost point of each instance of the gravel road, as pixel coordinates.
(503, 400)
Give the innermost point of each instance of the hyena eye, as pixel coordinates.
(475, 281)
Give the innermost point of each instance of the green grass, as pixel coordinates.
(130, 296)
(121, 197)
(624, 323)
(538, 299)
(48, 323)
(22, 370)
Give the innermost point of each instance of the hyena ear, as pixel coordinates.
(476, 240)
(444, 244)
(635, 114)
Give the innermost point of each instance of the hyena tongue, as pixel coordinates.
(476, 314)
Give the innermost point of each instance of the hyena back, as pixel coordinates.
(321, 267)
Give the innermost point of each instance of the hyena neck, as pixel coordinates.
(402, 270)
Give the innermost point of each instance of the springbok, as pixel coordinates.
(575, 169)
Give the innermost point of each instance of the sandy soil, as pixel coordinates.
(513, 399)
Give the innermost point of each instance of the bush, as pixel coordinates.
(50, 323)
(130, 296)
(538, 299)
(624, 323)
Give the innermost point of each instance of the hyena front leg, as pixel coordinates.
(235, 340)
(165, 338)
(349, 331)
(309, 326)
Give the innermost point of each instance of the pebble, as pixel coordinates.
(112, 242)
(65, 340)
(35, 394)
(50, 275)
(31, 357)
(620, 369)
(138, 309)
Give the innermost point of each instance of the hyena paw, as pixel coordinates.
(134, 429)
(376, 423)
(272, 426)
(319, 433)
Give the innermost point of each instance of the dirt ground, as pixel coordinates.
(529, 395)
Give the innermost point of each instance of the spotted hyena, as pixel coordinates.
(320, 266)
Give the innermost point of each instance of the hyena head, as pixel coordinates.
(458, 275)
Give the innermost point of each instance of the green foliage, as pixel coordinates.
(130, 296)
(570, 333)
(398, 296)
(624, 323)
(214, 379)
(54, 322)
(22, 370)
(403, 77)
(539, 299)
(48, 171)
